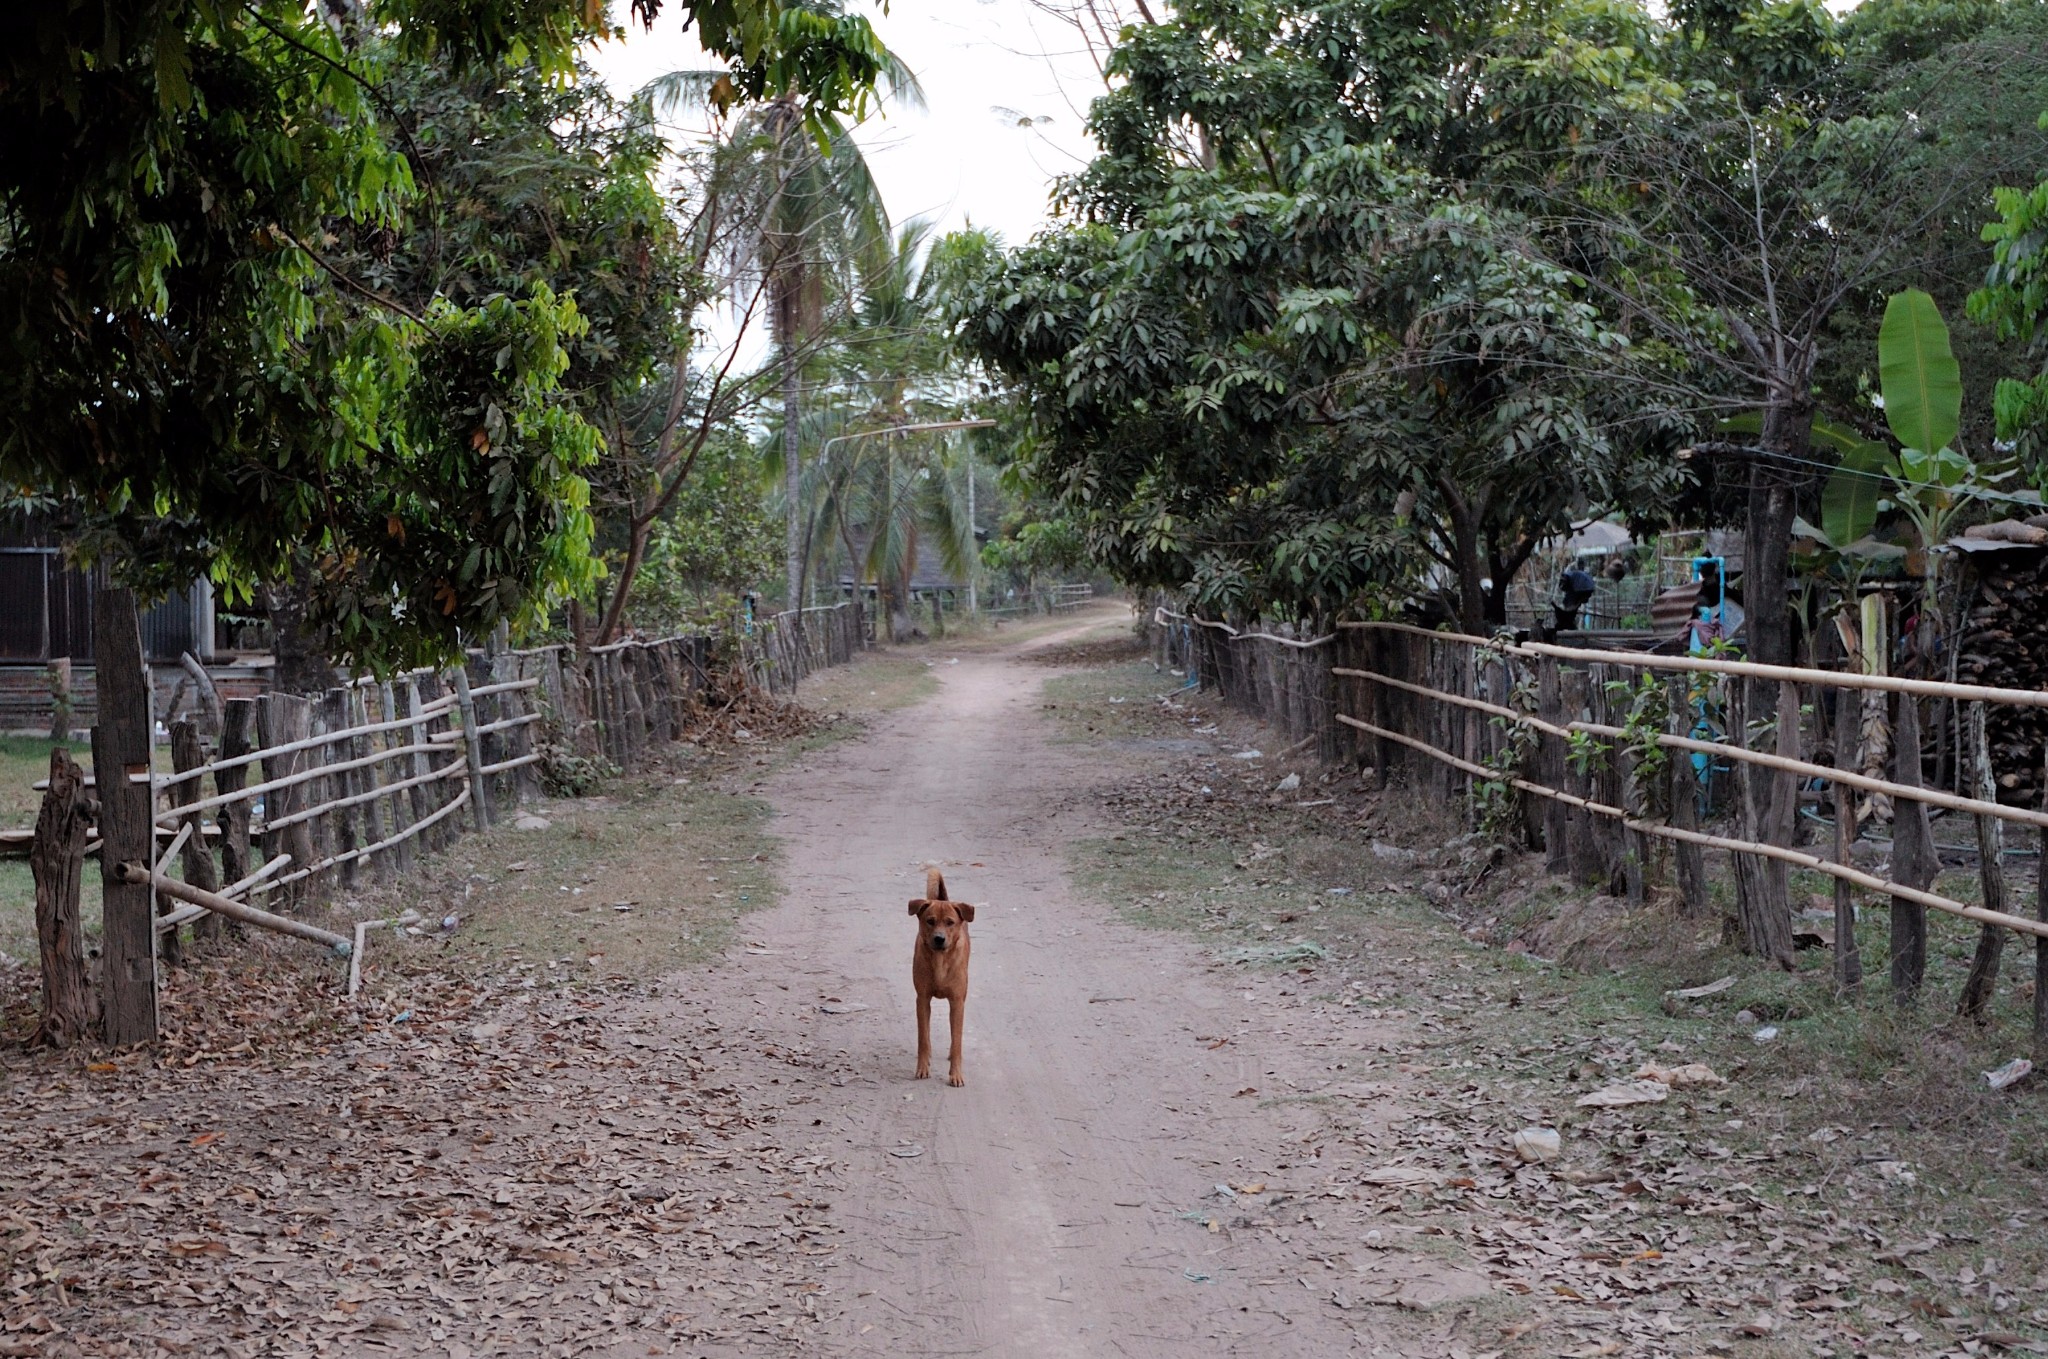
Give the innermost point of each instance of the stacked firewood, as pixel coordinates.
(2004, 644)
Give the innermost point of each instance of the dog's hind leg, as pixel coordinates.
(924, 1036)
(958, 1007)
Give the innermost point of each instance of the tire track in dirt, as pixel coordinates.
(1039, 1210)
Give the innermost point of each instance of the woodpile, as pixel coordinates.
(2004, 643)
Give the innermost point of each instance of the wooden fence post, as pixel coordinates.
(121, 747)
(1550, 764)
(1913, 857)
(57, 863)
(2041, 913)
(187, 754)
(1975, 1001)
(1848, 955)
(526, 737)
(398, 807)
(336, 719)
(479, 796)
(287, 718)
(425, 797)
(238, 717)
(1689, 862)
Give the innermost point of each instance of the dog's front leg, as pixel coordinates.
(924, 1034)
(958, 1007)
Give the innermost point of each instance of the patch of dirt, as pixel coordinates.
(453, 1167)
(1852, 1187)
(1096, 651)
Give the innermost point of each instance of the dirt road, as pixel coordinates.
(1056, 1205)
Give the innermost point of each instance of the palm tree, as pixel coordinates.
(884, 497)
(814, 217)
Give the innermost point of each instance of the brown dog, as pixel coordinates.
(938, 967)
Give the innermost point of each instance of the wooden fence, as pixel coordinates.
(1594, 756)
(1283, 678)
(304, 795)
(787, 647)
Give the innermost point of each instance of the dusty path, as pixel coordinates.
(1038, 1211)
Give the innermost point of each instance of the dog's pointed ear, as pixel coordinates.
(966, 911)
(917, 905)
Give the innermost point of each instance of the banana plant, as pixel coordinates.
(1932, 482)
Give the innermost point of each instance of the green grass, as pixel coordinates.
(873, 682)
(688, 861)
(23, 761)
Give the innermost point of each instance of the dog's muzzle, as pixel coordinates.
(938, 943)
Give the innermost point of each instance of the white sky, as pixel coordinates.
(983, 64)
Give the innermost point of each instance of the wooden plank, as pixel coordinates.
(1913, 858)
(286, 731)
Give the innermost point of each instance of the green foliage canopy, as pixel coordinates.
(1301, 329)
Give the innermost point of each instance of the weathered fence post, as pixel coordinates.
(472, 745)
(2041, 913)
(1975, 1001)
(57, 863)
(1848, 955)
(121, 749)
(188, 754)
(339, 787)
(1689, 861)
(1914, 863)
(425, 797)
(1550, 762)
(238, 717)
(398, 806)
(286, 720)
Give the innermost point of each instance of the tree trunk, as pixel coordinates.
(121, 747)
(57, 861)
(896, 606)
(1767, 546)
(1762, 895)
(1471, 582)
(303, 666)
(1913, 858)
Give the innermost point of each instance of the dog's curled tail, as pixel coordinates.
(935, 885)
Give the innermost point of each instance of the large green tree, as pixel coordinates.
(196, 380)
(1304, 322)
